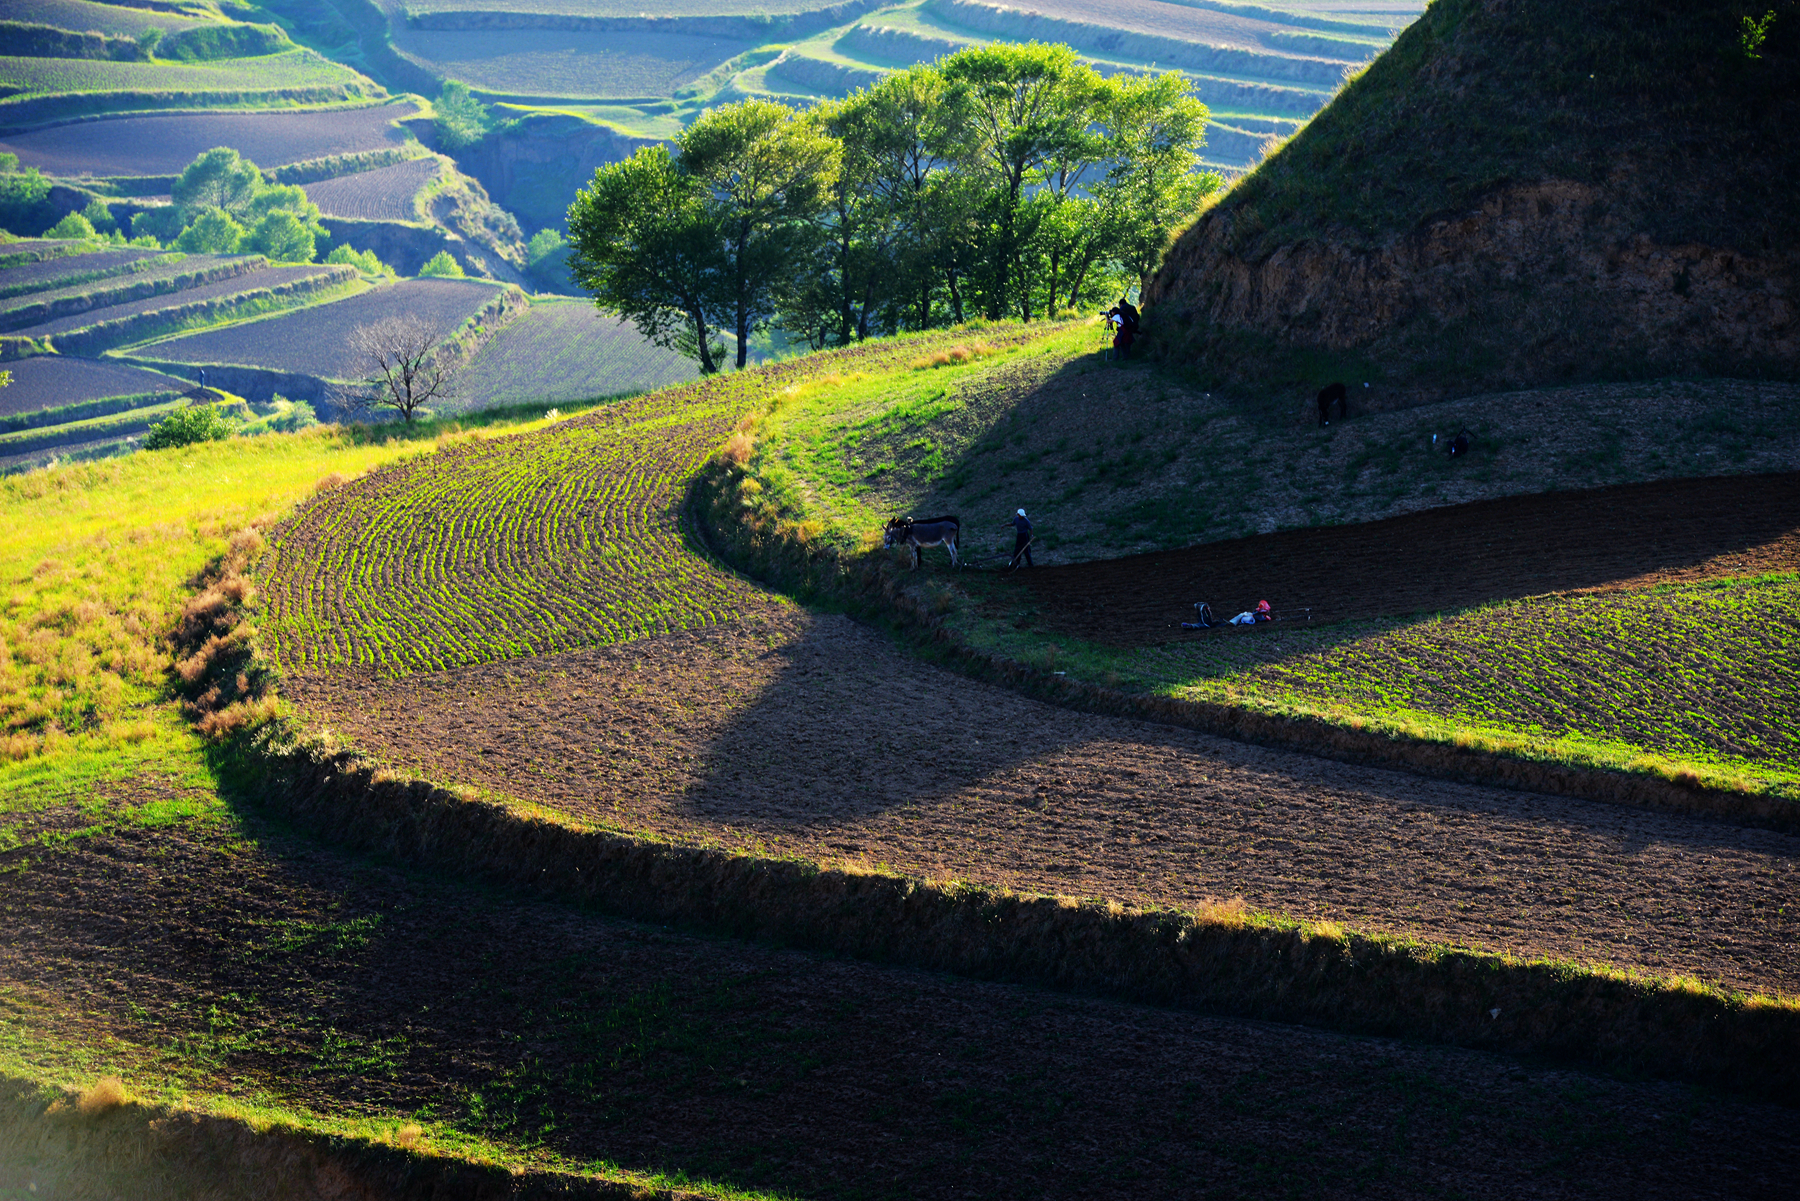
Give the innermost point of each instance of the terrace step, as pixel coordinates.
(92, 333)
(64, 271)
(180, 274)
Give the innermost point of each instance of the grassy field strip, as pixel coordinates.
(85, 411)
(270, 73)
(271, 291)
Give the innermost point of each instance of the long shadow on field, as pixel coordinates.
(1439, 560)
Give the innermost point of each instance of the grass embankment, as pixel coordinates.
(1681, 683)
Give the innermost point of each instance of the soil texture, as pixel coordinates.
(258, 963)
(804, 735)
(1626, 536)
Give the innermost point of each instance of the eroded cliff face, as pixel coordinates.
(1540, 282)
(533, 168)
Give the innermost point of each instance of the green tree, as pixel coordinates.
(184, 427)
(1156, 128)
(765, 171)
(73, 225)
(461, 120)
(100, 216)
(219, 179)
(645, 245)
(1019, 119)
(363, 260)
(212, 232)
(283, 237)
(441, 266)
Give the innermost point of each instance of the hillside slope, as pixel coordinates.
(1518, 192)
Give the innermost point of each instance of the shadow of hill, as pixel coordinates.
(1632, 535)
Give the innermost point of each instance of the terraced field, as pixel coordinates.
(528, 545)
(315, 341)
(115, 325)
(78, 15)
(384, 194)
(141, 280)
(162, 144)
(1262, 69)
(570, 63)
(271, 80)
(54, 382)
(65, 271)
(509, 548)
(560, 351)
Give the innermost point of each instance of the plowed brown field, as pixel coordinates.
(264, 963)
(1629, 536)
(385, 194)
(812, 736)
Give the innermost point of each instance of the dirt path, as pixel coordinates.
(257, 963)
(813, 736)
(1629, 536)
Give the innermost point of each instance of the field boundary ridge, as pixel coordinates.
(1221, 959)
(782, 554)
(101, 1142)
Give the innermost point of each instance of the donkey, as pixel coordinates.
(918, 534)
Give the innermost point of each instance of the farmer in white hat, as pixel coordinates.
(1022, 545)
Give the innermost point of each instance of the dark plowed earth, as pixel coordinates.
(164, 143)
(49, 381)
(252, 281)
(1440, 559)
(811, 736)
(267, 966)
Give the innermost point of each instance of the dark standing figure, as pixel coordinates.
(1124, 318)
(1332, 394)
(1459, 445)
(203, 377)
(1022, 541)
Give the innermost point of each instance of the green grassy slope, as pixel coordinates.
(1111, 460)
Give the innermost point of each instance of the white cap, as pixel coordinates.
(1021, 512)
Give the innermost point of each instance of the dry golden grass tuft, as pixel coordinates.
(952, 356)
(737, 449)
(409, 1135)
(106, 1095)
(1221, 913)
(331, 483)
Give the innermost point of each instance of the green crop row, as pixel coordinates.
(575, 535)
(1705, 673)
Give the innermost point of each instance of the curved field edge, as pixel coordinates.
(783, 549)
(67, 1127)
(1222, 959)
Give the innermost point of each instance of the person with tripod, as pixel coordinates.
(1022, 540)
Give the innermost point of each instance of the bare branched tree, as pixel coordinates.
(400, 360)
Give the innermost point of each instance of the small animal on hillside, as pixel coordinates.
(1333, 394)
(917, 534)
(1460, 444)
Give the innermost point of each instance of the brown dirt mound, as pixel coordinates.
(811, 736)
(1439, 560)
